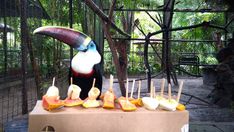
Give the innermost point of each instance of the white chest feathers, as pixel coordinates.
(83, 62)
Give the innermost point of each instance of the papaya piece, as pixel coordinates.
(73, 102)
(108, 100)
(109, 96)
(180, 107)
(51, 102)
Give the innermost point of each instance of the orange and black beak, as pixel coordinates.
(75, 39)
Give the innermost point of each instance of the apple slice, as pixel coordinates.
(73, 95)
(150, 103)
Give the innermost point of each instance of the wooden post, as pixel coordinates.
(23, 26)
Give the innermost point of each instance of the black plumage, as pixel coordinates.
(85, 81)
(89, 52)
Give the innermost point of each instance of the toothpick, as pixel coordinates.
(111, 82)
(133, 84)
(169, 92)
(53, 81)
(47, 128)
(154, 93)
(180, 90)
(151, 89)
(127, 90)
(139, 89)
(94, 80)
(162, 86)
(71, 80)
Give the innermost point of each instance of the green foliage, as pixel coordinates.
(46, 49)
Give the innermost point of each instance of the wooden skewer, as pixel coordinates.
(154, 94)
(53, 81)
(139, 90)
(94, 80)
(111, 82)
(127, 91)
(47, 127)
(133, 84)
(71, 80)
(162, 86)
(169, 92)
(151, 89)
(179, 92)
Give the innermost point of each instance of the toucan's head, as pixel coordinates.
(88, 56)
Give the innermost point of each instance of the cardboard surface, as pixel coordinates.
(78, 119)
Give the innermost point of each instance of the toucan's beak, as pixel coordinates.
(71, 37)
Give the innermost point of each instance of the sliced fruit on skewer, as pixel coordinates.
(51, 99)
(150, 103)
(109, 96)
(92, 97)
(131, 99)
(125, 104)
(73, 95)
(169, 104)
(180, 106)
(139, 99)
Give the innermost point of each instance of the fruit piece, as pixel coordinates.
(109, 96)
(93, 93)
(91, 104)
(108, 100)
(169, 104)
(52, 91)
(51, 102)
(92, 96)
(139, 102)
(73, 96)
(51, 99)
(180, 107)
(126, 105)
(133, 101)
(73, 102)
(150, 103)
(73, 92)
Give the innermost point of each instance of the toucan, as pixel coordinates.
(85, 65)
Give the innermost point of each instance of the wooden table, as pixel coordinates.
(78, 119)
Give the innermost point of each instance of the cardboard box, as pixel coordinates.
(78, 119)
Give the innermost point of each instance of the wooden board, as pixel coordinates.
(78, 119)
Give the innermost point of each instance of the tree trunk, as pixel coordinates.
(121, 46)
(166, 52)
(4, 40)
(26, 41)
(107, 25)
(23, 25)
